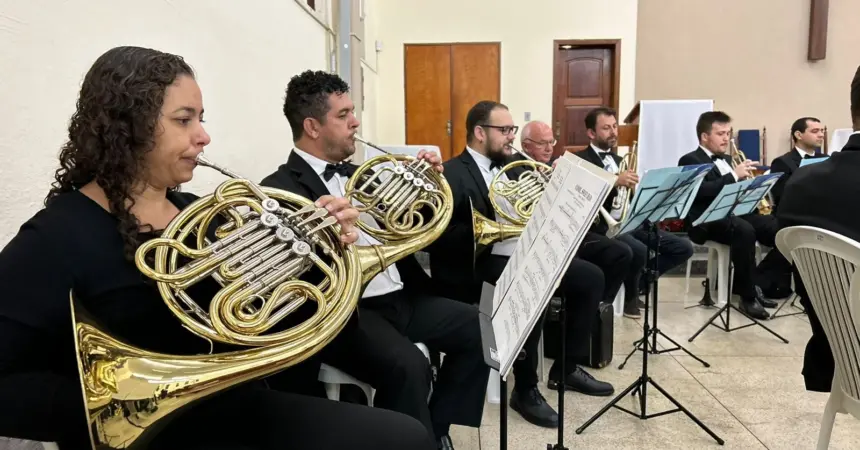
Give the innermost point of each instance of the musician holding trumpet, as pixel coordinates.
(137, 135)
(601, 125)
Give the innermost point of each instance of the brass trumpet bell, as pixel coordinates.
(267, 240)
(487, 232)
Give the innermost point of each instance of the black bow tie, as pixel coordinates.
(495, 165)
(807, 156)
(602, 155)
(716, 158)
(341, 168)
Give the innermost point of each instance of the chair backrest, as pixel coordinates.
(828, 263)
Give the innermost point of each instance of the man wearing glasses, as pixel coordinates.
(459, 273)
(537, 140)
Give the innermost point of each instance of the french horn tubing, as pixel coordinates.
(267, 241)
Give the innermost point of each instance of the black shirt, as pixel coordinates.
(73, 244)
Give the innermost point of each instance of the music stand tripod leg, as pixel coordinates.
(640, 384)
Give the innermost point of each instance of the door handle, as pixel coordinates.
(448, 127)
(558, 130)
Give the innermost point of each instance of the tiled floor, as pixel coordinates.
(752, 396)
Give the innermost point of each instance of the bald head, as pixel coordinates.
(537, 140)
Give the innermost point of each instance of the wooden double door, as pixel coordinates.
(442, 82)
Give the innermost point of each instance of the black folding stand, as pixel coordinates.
(706, 301)
(728, 307)
(791, 302)
(652, 278)
(562, 316)
(640, 386)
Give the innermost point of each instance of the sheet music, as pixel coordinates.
(664, 193)
(808, 161)
(568, 207)
(738, 198)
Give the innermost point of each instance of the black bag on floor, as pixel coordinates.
(600, 341)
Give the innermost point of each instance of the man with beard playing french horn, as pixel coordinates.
(396, 308)
(490, 130)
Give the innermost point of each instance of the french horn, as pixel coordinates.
(522, 193)
(266, 241)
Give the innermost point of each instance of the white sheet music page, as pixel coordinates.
(564, 214)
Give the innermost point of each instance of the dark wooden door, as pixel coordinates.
(442, 82)
(427, 76)
(584, 78)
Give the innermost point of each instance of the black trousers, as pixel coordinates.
(381, 351)
(673, 251)
(581, 289)
(818, 363)
(615, 259)
(255, 417)
(741, 233)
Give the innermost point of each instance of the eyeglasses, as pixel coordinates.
(542, 143)
(508, 129)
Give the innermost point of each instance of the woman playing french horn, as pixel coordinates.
(136, 135)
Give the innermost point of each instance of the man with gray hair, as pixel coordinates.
(538, 141)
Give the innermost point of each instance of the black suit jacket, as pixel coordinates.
(821, 196)
(711, 185)
(452, 254)
(601, 227)
(298, 177)
(786, 164)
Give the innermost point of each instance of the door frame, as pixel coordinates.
(451, 74)
(613, 44)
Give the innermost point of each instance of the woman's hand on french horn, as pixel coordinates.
(346, 214)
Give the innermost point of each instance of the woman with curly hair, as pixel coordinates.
(133, 139)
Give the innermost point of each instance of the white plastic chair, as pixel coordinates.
(333, 378)
(827, 263)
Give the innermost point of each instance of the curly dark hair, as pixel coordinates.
(307, 96)
(114, 126)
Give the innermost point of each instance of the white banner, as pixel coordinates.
(667, 131)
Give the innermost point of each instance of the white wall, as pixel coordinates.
(526, 31)
(244, 54)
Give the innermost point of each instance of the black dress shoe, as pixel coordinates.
(763, 300)
(444, 443)
(631, 309)
(753, 309)
(533, 407)
(581, 381)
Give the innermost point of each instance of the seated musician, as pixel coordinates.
(397, 308)
(713, 130)
(537, 140)
(815, 196)
(132, 141)
(807, 134)
(601, 124)
(490, 129)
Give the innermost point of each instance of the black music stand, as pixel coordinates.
(736, 199)
(671, 199)
(675, 193)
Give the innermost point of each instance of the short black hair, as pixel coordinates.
(801, 125)
(480, 114)
(307, 96)
(855, 97)
(591, 117)
(708, 119)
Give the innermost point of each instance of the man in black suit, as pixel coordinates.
(601, 124)
(807, 133)
(537, 140)
(816, 196)
(396, 309)
(490, 130)
(713, 129)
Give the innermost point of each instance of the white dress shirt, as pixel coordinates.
(608, 161)
(506, 247)
(802, 153)
(721, 164)
(387, 281)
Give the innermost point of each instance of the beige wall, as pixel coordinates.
(750, 57)
(526, 31)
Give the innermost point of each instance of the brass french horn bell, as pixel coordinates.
(267, 240)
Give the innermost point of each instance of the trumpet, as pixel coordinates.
(738, 157)
(258, 258)
(623, 195)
